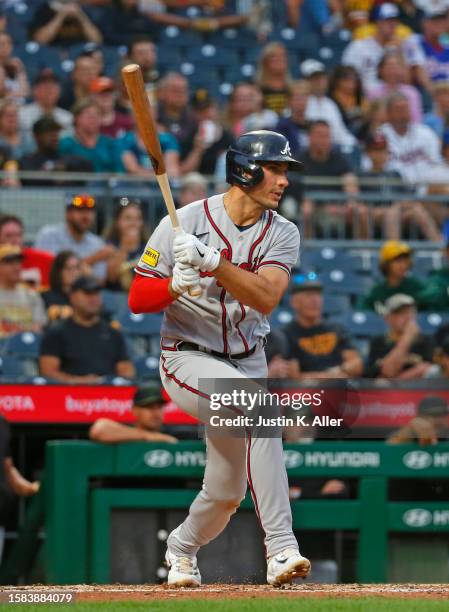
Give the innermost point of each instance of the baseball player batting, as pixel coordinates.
(240, 251)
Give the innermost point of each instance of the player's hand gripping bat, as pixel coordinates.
(132, 77)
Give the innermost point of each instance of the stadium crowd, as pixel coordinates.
(360, 89)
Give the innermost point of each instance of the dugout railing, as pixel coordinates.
(79, 502)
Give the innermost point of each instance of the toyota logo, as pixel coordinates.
(158, 458)
(417, 460)
(292, 459)
(417, 517)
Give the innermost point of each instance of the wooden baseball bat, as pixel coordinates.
(132, 77)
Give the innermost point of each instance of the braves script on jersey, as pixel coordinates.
(215, 319)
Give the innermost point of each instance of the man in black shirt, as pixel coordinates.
(47, 156)
(84, 348)
(321, 350)
(403, 353)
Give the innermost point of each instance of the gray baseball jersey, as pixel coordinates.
(215, 319)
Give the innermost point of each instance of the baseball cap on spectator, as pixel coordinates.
(384, 11)
(46, 124)
(88, 284)
(10, 252)
(46, 76)
(305, 282)
(392, 249)
(396, 302)
(201, 99)
(102, 84)
(149, 394)
(376, 141)
(433, 406)
(436, 10)
(312, 67)
(83, 200)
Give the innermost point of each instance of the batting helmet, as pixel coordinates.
(242, 160)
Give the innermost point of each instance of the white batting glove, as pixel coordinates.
(184, 277)
(189, 250)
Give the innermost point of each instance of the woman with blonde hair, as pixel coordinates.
(273, 76)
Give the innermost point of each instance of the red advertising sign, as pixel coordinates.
(86, 403)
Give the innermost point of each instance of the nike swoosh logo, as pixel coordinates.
(199, 252)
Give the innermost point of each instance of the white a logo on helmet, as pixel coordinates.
(286, 150)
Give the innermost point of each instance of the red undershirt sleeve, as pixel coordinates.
(149, 294)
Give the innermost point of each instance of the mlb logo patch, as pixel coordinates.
(150, 257)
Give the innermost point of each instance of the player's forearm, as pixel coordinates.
(248, 288)
(150, 294)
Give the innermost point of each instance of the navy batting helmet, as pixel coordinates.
(243, 159)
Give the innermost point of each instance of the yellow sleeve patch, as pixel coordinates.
(151, 257)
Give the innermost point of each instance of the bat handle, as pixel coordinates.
(193, 291)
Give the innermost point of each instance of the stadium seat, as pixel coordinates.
(114, 302)
(334, 305)
(11, 367)
(280, 317)
(232, 38)
(172, 35)
(210, 55)
(147, 367)
(339, 280)
(140, 324)
(168, 55)
(25, 344)
(429, 322)
(328, 258)
(361, 324)
(422, 266)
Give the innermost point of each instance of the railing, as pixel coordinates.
(43, 202)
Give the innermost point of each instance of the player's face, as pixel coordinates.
(270, 190)
(149, 418)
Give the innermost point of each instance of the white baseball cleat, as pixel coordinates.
(287, 565)
(183, 571)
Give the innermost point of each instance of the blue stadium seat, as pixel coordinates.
(210, 55)
(11, 367)
(361, 324)
(114, 302)
(422, 266)
(168, 55)
(232, 38)
(172, 35)
(147, 367)
(339, 280)
(327, 258)
(280, 317)
(140, 324)
(429, 322)
(25, 344)
(334, 305)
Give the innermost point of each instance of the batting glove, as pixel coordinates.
(189, 250)
(184, 277)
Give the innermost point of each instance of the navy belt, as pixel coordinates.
(191, 346)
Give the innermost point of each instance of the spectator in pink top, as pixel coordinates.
(392, 73)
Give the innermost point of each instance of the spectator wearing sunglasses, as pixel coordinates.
(75, 235)
(320, 349)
